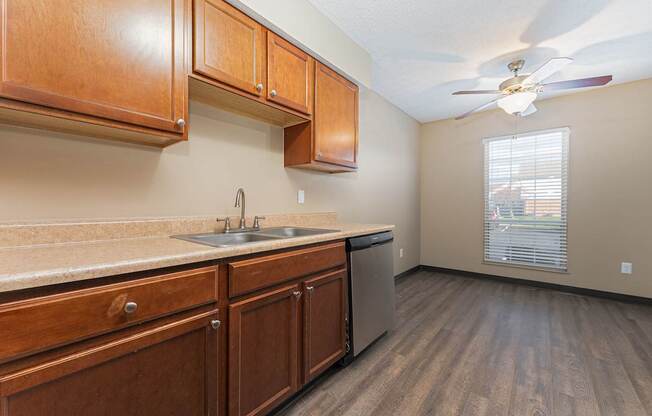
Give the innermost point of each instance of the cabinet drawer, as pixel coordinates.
(41, 323)
(249, 275)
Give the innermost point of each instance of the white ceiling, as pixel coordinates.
(423, 50)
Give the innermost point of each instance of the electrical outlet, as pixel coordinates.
(626, 268)
(400, 253)
(301, 196)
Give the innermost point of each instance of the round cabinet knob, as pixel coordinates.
(181, 122)
(310, 288)
(215, 323)
(130, 307)
(259, 87)
(273, 93)
(296, 294)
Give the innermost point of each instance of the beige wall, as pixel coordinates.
(49, 175)
(610, 188)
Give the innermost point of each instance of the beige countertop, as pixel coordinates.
(48, 264)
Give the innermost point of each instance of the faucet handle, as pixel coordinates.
(257, 221)
(227, 223)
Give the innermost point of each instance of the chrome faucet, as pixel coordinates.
(240, 202)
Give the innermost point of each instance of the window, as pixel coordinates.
(526, 181)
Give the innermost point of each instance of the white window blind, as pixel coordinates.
(526, 180)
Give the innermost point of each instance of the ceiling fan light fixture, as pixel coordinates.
(517, 102)
(518, 92)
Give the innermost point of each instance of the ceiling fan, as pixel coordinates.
(519, 92)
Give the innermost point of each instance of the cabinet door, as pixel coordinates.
(168, 370)
(115, 59)
(324, 336)
(335, 118)
(290, 73)
(229, 46)
(263, 344)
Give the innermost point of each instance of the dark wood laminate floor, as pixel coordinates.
(466, 346)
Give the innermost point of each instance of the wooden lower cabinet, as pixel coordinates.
(324, 333)
(176, 343)
(283, 338)
(171, 369)
(263, 351)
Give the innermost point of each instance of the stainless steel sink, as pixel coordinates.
(249, 237)
(227, 240)
(289, 232)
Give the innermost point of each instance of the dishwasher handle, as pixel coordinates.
(367, 241)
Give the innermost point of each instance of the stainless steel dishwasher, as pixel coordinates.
(371, 289)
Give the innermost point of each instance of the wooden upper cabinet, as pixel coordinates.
(118, 60)
(324, 336)
(290, 73)
(330, 142)
(229, 46)
(335, 119)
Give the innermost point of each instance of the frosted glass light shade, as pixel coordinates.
(517, 102)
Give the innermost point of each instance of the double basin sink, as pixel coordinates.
(248, 237)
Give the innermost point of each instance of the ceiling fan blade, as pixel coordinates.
(578, 83)
(477, 92)
(549, 68)
(482, 107)
(530, 110)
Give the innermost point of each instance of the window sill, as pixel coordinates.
(525, 266)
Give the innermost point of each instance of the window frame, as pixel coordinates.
(566, 134)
